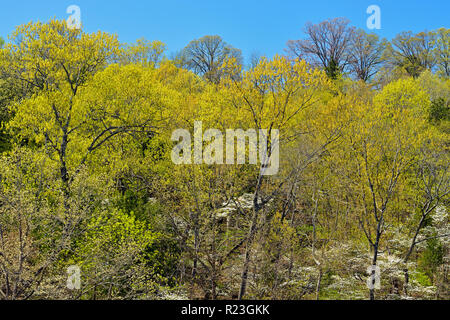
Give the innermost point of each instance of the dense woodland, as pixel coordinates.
(86, 176)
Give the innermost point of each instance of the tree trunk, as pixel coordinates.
(250, 237)
(319, 280)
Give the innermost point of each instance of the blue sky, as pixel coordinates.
(262, 26)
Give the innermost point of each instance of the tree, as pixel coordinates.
(36, 227)
(327, 45)
(358, 173)
(206, 55)
(439, 110)
(43, 56)
(11, 91)
(442, 51)
(413, 52)
(70, 118)
(433, 186)
(79, 107)
(7, 95)
(384, 163)
(365, 55)
(273, 96)
(255, 57)
(113, 257)
(144, 52)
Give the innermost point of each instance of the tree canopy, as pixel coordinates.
(360, 124)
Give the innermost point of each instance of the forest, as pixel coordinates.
(358, 209)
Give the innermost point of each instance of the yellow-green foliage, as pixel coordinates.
(88, 179)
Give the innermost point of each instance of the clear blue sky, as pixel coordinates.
(260, 26)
